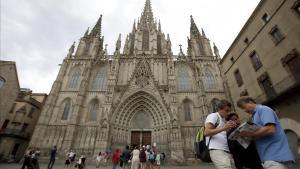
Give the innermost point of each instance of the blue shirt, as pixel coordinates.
(274, 147)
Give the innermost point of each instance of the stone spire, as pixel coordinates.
(147, 19)
(118, 45)
(203, 33)
(216, 51)
(193, 29)
(87, 32)
(97, 29)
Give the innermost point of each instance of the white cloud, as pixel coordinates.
(37, 34)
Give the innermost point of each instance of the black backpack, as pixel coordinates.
(201, 150)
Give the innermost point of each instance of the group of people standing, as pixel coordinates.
(137, 158)
(269, 148)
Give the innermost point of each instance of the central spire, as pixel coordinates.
(147, 15)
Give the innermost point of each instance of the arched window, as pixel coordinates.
(210, 79)
(100, 79)
(214, 105)
(187, 110)
(66, 108)
(183, 79)
(93, 110)
(74, 80)
(145, 44)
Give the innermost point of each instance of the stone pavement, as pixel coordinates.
(60, 166)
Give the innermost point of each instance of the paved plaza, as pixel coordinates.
(60, 166)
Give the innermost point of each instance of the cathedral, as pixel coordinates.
(143, 94)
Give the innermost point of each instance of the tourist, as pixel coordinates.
(215, 127)
(239, 153)
(27, 158)
(105, 157)
(67, 162)
(34, 158)
(126, 157)
(81, 162)
(271, 142)
(115, 159)
(163, 158)
(135, 161)
(157, 159)
(52, 157)
(98, 159)
(143, 158)
(148, 163)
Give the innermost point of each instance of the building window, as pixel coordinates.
(66, 109)
(74, 80)
(292, 62)
(31, 112)
(238, 78)
(296, 7)
(93, 110)
(100, 79)
(232, 59)
(246, 40)
(187, 110)
(145, 44)
(210, 79)
(183, 79)
(255, 60)
(2, 81)
(276, 34)
(265, 18)
(266, 85)
(5, 124)
(24, 127)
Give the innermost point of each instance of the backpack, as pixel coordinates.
(151, 157)
(201, 149)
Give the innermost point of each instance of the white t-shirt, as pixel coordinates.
(218, 141)
(135, 155)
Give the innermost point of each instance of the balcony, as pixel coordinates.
(16, 133)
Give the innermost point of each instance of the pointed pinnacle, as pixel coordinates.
(97, 28)
(203, 33)
(159, 26)
(193, 29)
(87, 32)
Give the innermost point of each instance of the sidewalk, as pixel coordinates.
(60, 166)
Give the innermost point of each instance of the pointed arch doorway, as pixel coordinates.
(141, 129)
(140, 119)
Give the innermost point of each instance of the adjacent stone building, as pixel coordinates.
(19, 124)
(143, 95)
(264, 63)
(9, 87)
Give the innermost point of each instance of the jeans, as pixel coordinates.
(51, 163)
(114, 166)
(222, 159)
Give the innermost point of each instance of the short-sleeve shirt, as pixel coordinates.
(218, 141)
(274, 147)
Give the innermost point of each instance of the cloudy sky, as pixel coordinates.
(37, 34)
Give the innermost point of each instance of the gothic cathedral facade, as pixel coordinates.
(143, 95)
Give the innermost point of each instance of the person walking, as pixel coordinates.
(216, 128)
(98, 159)
(271, 142)
(52, 157)
(27, 158)
(143, 158)
(115, 159)
(239, 153)
(135, 162)
(126, 157)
